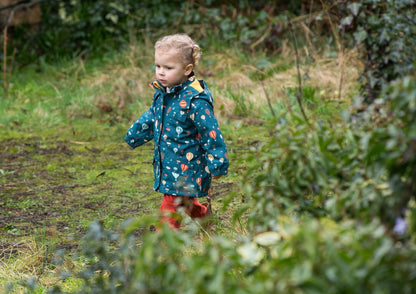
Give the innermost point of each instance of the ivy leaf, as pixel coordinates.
(354, 8)
(360, 35)
(346, 21)
(112, 17)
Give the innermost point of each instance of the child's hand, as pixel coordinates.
(216, 177)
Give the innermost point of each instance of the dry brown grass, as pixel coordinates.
(21, 261)
(326, 75)
(127, 79)
(29, 259)
(124, 80)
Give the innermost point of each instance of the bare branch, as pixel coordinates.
(299, 94)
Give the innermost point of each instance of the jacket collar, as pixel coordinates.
(159, 88)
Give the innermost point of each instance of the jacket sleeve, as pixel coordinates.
(141, 131)
(210, 136)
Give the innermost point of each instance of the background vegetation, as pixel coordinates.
(316, 101)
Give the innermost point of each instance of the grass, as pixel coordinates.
(64, 163)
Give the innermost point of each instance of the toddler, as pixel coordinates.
(189, 149)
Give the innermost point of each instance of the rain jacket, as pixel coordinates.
(188, 145)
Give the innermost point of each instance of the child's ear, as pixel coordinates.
(188, 69)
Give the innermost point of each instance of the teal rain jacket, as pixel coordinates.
(188, 145)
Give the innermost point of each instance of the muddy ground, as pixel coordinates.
(52, 189)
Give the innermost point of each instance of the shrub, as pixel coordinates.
(385, 31)
(82, 28)
(306, 256)
(318, 170)
(314, 256)
(361, 169)
(392, 143)
(160, 262)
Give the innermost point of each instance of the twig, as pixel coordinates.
(339, 45)
(410, 20)
(9, 19)
(268, 99)
(299, 94)
(11, 64)
(341, 78)
(25, 3)
(45, 260)
(5, 60)
(264, 36)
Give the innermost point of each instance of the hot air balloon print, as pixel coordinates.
(184, 167)
(189, 156)
(179, 130)
(198, 181)
(213, 134)
(175, 175)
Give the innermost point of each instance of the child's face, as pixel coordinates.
(170, 70)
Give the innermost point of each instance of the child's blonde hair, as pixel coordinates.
(190, 51)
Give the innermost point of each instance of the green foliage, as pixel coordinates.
(323, 257)
(319, 170)
(177, 264)
(84, 28)
(385, 31)
(309, 256)
(392, 144)
(362, 169)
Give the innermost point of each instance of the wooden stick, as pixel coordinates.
(5, 60)
(299, 94)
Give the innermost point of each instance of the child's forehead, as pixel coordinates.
(167, 54)
(166, 51)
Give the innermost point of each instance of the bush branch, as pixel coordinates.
(299, 94)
